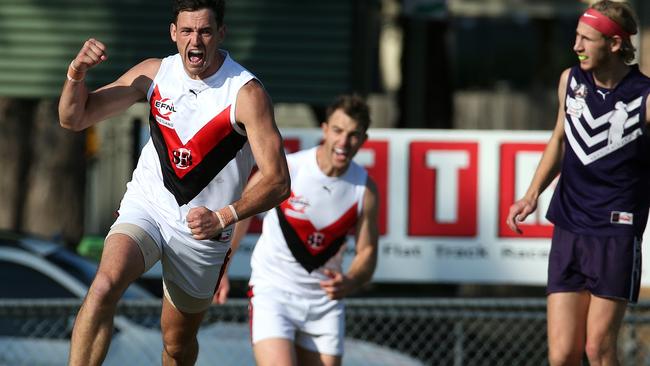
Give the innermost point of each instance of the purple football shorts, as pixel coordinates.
(606, 266)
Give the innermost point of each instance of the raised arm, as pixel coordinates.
(272, 184)
(365, 259)
(80, 109)
(548, 168)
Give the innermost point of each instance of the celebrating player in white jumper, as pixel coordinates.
(209, 118)
(296, 313)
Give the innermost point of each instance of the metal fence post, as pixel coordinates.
(458, 344)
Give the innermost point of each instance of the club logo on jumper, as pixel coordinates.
(618, 217)
(165, 108)
(182, 158)
(580, 91)
(575, 106)
(316, 239)
(298, 203)
(163, 111)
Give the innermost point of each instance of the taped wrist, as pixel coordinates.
(227, 216)
(75, 75)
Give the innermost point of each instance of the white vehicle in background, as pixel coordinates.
(34, 270)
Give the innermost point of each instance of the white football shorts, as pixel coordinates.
(316, 324)
(193, 266)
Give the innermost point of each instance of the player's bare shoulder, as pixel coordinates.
(564, 80)
(141, 75)
(253, 87)
(253, 103)
(149, 67)
(371, 191)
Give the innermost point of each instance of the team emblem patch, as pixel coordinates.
(165, 107)
(182, 158)
(316, 239)
(298, 203)
(580, 91)
(575, 106)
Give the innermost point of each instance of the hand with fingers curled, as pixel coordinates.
(338, 285)
(92, 53)
(518, 213)
(204, 223)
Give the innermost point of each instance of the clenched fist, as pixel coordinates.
(91, 54)
(203, 223)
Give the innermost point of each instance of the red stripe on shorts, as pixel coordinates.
(222, 270)
(250, 312)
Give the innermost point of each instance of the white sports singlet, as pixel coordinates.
(197, 156)
(305, 233)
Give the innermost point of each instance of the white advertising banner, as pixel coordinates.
(444, 198)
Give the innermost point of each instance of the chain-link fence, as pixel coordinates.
(379, 332)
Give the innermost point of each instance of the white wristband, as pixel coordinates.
(221, 222)
(71, 79)
(234, 213)
(76, 72)
(72, 66)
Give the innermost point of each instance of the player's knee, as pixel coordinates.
(598, 350)
(105, 290)
(562, 357)
(174, 351)
(178, 346)
(594, 351)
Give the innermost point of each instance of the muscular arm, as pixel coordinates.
(548, 168)
(80, 109)
(365, 260)
(271, 184)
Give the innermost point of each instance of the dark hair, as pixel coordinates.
(354, 106)
(218, 7)
(624, 16)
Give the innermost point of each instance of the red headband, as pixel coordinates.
(603, 24)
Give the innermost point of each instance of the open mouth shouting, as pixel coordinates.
(195, 57)
(340, 154)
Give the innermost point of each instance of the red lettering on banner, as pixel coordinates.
(291, 145)
(443, 189)
(373, 156)
(509, 178)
